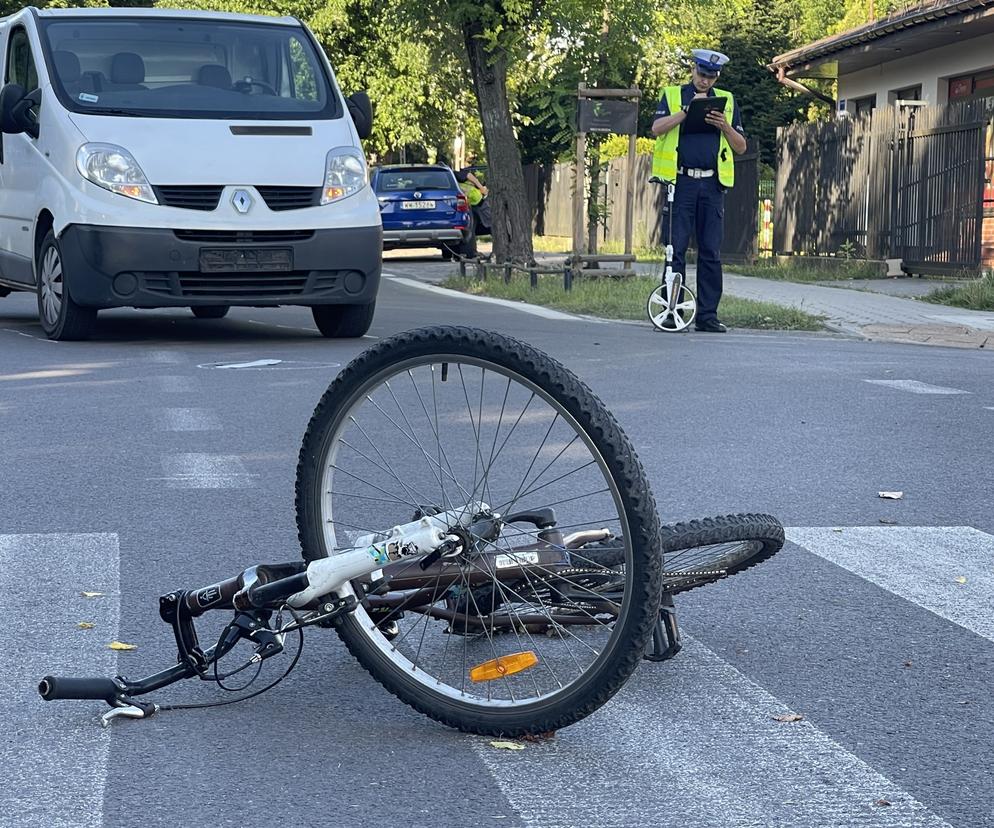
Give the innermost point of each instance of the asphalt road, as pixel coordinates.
(129, 466)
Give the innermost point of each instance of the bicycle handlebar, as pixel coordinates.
(61, 687)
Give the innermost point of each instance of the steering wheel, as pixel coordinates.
(248, 83)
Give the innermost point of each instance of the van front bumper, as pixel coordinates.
(110, 267)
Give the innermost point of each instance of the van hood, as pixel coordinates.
(186, 151)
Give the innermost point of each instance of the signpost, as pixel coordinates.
(604, 111)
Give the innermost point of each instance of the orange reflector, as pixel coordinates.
(504, 666)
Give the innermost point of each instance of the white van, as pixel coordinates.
(169, 158)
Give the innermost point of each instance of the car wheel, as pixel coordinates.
(210, 311)
(4, 292)
(61, 318)
(447, 253)
(343, 321)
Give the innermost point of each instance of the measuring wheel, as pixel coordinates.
(677, 317)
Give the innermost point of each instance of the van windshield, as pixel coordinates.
(187, 68)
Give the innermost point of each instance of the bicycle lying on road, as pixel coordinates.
(479, 531)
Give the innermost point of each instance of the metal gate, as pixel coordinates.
(938, 181)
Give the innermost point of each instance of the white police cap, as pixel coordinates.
(709, 61)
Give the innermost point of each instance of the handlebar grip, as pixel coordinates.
(60, 687)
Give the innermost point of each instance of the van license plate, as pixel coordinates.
(240, 259)
(417, 205)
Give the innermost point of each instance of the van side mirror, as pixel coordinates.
(361, 111)
(15, 105)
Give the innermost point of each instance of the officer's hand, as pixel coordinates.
(715, 119)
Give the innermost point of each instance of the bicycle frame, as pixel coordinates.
(417, 565)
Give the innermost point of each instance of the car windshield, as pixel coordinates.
(187, 68)
(394, 180)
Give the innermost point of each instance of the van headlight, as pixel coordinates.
(344, 174)
(114, 169)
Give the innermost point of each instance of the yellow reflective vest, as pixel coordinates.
(664, 152)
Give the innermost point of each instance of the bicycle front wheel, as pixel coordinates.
(508, 638)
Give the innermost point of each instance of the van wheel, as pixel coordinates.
(340, 321)
(61, 318)
(210, 311)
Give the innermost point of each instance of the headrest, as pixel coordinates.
(213, 74)
(127, 67)
(67, 66)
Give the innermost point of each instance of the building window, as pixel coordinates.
(909, 93)
(862, 106)
(977, 85)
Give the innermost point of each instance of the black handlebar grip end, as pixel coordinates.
(51, 688)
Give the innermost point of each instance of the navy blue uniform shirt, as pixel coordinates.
(698, 150)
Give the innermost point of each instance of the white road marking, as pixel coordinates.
(692, 743)
(256, 363)
(175, 384)
(915, 387)
(206, 471)
(54, 756)
(188, 419)
(164, 356)
(29, 336)
(524, 307)
(921, 564)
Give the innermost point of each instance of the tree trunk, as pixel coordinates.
(512, 230)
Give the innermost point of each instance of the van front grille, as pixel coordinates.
(195, 197)
(290, 198)
(243, 236)
(241, 286)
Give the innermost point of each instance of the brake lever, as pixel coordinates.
(132, 710)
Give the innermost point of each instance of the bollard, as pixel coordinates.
(567, 278)
(532, 275)
(481, 271)
(462, 268)
(507, 273)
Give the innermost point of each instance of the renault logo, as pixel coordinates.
(242, 201)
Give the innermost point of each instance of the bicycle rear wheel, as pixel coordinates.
(700, 552)
(445, 418)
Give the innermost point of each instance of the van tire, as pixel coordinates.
(61, 318)
(210, 311)
(343, 321)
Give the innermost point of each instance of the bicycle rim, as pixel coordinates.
(461, 417)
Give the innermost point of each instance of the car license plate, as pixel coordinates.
(245, 259)
(417, 205)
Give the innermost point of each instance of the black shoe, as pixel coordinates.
(710, 326)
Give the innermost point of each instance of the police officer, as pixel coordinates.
(703, 168)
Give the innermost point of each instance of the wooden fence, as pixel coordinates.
(550, 191)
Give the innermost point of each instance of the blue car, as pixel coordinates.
(422, 206)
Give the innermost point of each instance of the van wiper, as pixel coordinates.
(108, 110)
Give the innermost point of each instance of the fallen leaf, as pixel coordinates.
(118, 645)
(888, 521)
(85, 625)
(909, 664)
(837, 530)
(91, 594)
(960, 580)
(891, 495)
(508, 745)
(882, 802)
(788, 717)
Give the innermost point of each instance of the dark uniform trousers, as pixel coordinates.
(699, 208)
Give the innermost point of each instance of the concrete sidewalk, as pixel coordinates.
(872, 315)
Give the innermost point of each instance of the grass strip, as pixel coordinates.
(975, 295)
(626, 299)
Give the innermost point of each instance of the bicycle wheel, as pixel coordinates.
(701, 552)
(444, 418)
